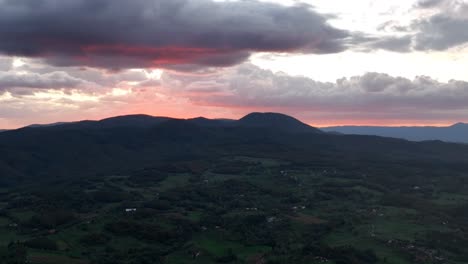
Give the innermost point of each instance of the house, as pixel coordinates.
(271, 219)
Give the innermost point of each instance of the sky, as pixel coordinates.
(326, 62)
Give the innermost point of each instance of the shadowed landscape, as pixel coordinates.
(263, 189)
(233, 131)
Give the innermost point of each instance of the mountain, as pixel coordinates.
(48, 125)
(132, 121)
(456, 133)
(202, 121)
(126, 142)
(277, 121)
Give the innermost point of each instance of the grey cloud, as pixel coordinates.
(429, 3)
(5, 63)
(53, 80)
(117, 34)
(397, 44)
(371, 93)
(393, 26)
(93, 76)
(149, 83)
(444, 29)
(441, 32)
(372, 96)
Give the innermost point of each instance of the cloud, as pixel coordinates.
(371, 98)
(429, 3)
(5, 63)
(443, 28)
(116, 34)
(53, 80)
(372, 95)
(397, 44)
(32, 70)
(441, 32)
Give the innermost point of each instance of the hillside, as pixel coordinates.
(275, 121)
(134, 141)
(456, 133)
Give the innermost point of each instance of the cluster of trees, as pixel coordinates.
(48, 219)
(140, 230)
(455, 243)
(142, 255)
(14, 253)
(94, 239)
(41, 243)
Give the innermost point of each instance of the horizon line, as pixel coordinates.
(320, 126)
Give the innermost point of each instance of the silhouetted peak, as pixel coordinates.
(202, 121)
(276, 121)
(133, 121)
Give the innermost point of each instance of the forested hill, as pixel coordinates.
(129, 142)
(263, 189)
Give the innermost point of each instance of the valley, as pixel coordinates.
(182, 193)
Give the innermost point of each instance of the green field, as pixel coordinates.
(237, 209)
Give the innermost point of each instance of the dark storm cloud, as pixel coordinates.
(53, 80)
(163, 33)
(445, 28)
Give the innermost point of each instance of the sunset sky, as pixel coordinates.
(326, 62)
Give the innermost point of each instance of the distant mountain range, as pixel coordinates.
(279, 122)
(455, 133)
(125, 143)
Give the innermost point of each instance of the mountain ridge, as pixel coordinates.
(278, 121)
(457, 133)
(128, 142)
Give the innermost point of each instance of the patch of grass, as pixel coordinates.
(308, 219)
(385, 254)
(216, 246)
(49, 258)
(124, 243)
(445, 199)
(8, 235)
(173, 181)
(22, 216)
(265, 162)
(397, 230)
(4, 221)
(194, 216)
